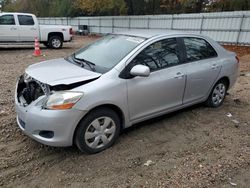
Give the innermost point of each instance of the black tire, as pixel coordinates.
(55, 42)
(86, 124)
(211, 101)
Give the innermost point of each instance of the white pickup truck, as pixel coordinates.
(22, 28)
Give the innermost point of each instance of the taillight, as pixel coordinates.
(71, 31)
(238, 60)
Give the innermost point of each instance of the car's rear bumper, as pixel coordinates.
(233, 77)
(70, 39)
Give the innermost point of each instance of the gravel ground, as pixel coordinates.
(195, 147)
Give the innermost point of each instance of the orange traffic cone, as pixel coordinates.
(37, 51)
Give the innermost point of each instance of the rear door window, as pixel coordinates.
(25, 20)
(7, 20)
(198, 49)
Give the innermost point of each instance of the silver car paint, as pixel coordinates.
(139, 98)
(62, 123)
(125, 104)
(59, 71)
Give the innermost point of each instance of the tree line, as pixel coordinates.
(71, 8)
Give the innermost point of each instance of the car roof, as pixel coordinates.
(19, 13)
(149, 33)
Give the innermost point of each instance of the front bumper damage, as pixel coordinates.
(50, 127)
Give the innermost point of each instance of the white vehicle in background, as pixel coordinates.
(22, 28)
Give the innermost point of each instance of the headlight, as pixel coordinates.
(62, 100)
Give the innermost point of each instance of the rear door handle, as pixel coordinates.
(179, 75)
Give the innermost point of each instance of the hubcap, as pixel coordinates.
(219, 93)
(100, 132)
(56, 43)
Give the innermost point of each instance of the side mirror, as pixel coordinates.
(140, 70)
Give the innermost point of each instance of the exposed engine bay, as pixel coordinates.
(30, 89)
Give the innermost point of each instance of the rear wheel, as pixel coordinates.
(55, 42)
(97, 131)
(218, 94)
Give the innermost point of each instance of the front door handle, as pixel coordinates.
(33, 29)
(13, 28)
(179, 75)
(214, 66)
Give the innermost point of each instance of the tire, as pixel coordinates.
(218, 94)
(55, 42)
(91, 136)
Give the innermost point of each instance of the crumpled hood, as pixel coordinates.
(59, 71)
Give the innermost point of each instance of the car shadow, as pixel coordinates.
(73, 150)
(151, 122)
(15, 48)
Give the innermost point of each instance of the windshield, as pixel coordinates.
(107, 52)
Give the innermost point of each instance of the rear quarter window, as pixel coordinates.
(25, 20)
(198, 49)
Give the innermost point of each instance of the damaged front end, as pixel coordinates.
(30, 89)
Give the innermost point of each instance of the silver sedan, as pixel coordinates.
(124, 78)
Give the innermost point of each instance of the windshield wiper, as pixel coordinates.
(84, 61)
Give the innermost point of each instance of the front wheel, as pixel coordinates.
(217, 95)
(97, 131)
(55, 42)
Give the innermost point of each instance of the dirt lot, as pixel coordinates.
(195, 147)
